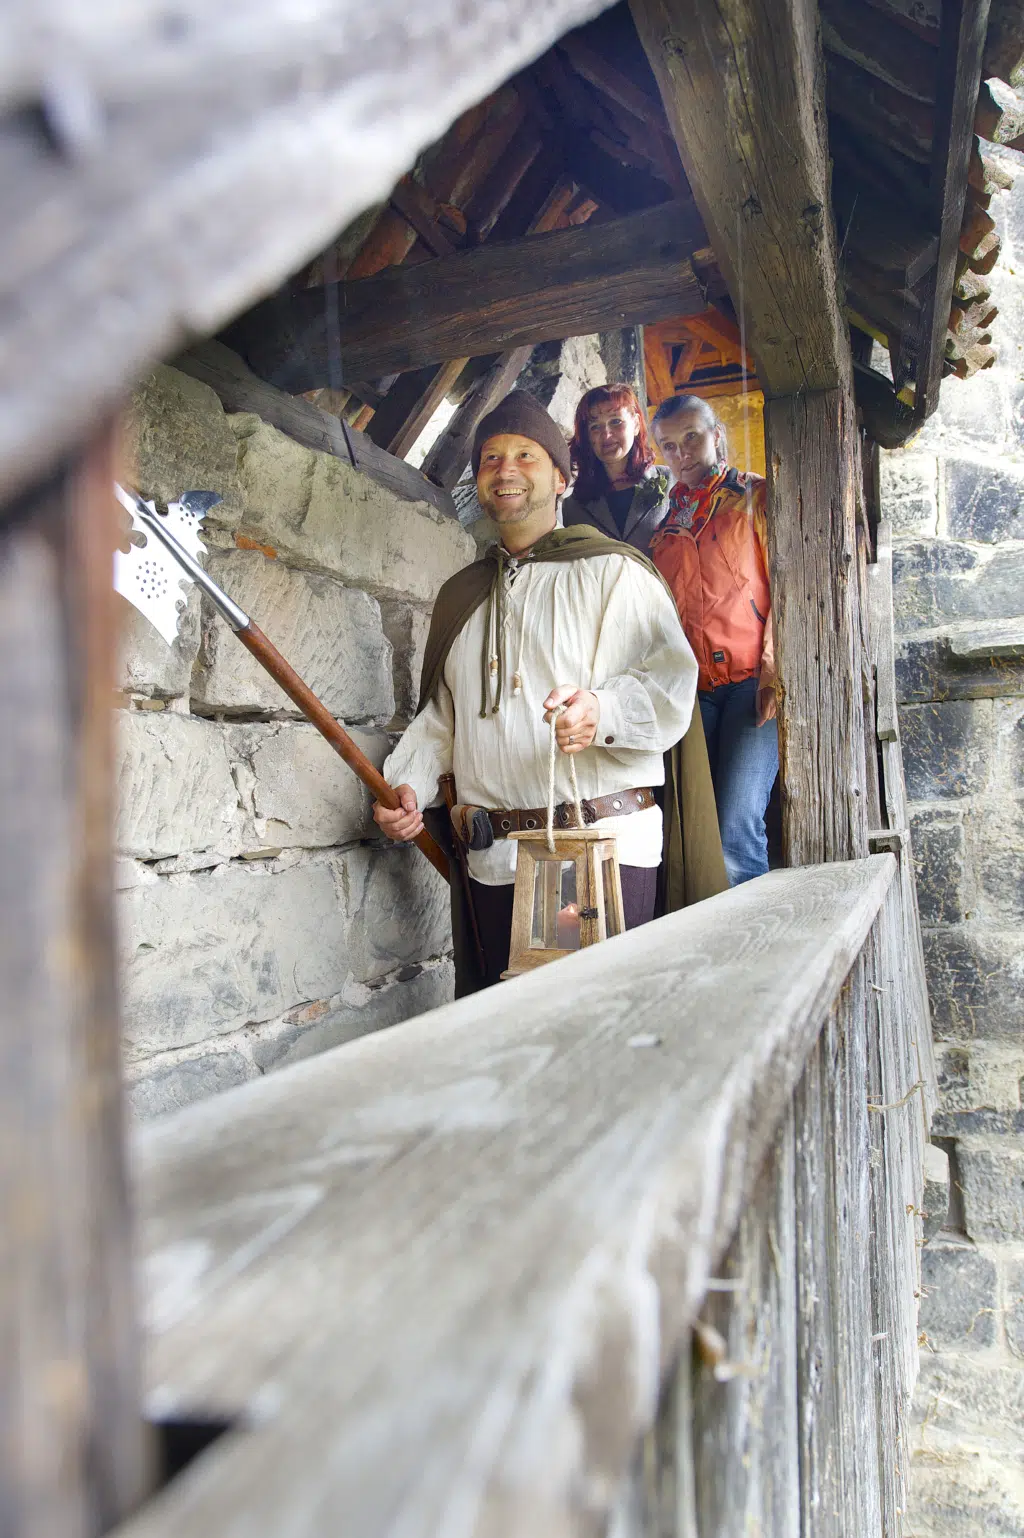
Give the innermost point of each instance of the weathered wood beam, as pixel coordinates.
(451, 454)
(74, 1450)
(417, 208)
(813, 472)
(240, 390)
(961, 46)
(878, 110)
(498, 296)
(741, 85)
(247, 129)
(888, 237)
(424, 406)
(879, 45)
(563, 1256)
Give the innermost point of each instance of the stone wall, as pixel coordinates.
(261, 919)
(956, 499)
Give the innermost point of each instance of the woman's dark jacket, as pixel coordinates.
(647, 512)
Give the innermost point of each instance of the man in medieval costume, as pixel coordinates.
(564, 626)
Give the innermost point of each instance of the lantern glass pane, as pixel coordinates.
(556, 919)
(611, 897)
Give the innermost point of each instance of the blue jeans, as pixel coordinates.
(744, 762)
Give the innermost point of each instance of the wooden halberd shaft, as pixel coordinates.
(282, 672)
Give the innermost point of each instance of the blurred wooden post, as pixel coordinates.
(73, 1448)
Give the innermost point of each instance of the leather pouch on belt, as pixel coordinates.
(472, 826)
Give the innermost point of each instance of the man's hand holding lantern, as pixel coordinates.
(576, 726)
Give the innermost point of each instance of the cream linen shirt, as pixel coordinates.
(603, 624)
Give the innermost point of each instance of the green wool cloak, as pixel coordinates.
(692, 865)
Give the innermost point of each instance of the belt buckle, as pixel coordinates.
(589, 814)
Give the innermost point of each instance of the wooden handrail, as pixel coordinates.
(439, 1271)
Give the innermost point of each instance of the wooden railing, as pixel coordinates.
(448, 1279)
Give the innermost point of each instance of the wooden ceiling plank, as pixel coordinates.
(759, 171)
(687, 361)
(879, 45)
(603, 74)
(883, 235)
(961, 49)
(451, 453)
(425, 406)
(487, 205)
(419, 210)
(495, 297)
(878, 111)
(657, 370)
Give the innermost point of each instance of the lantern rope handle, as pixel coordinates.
(552, 753)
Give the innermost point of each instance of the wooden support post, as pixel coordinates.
(73, 1449)
(742, 86)
(813, 468)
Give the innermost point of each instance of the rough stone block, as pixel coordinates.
(958, 1295)
(984, 501)
(926, 669)
(935, 1197)
(947, 748)
(1014, 1316)
(405, 626)
(966, 1396)
(992, 1178)
(208, 954)
(971, 413)
(982, 1076)
(318, 511)
(996, 841)
(330, 634)
(976, 981)
(937, 583)
(909, 488)
(174, 786)
(205, 954)
(328, 1023)
(964, 1494)
(938, 843)
(146, 664)
(155, 1090)
(177, 438)
(924, 573)
(298, 792)
(399, 907)
(558, 373)
(1009, 718)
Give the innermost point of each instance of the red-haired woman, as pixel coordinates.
(618, 488)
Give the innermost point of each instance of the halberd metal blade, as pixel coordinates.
(148, 574)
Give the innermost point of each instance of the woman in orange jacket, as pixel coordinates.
(712, 551)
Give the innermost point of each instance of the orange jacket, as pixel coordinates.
(719, 578)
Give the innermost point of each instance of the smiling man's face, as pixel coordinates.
(518, 481)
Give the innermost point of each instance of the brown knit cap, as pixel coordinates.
(520, 413)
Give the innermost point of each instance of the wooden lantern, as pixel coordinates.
(563, 900)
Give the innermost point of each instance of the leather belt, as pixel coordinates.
(533, 819)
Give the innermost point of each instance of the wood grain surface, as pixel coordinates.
(742, 83)
(493, 298)
(73, 1451)
(813, 471)
(440, 1272)
(163, 171)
